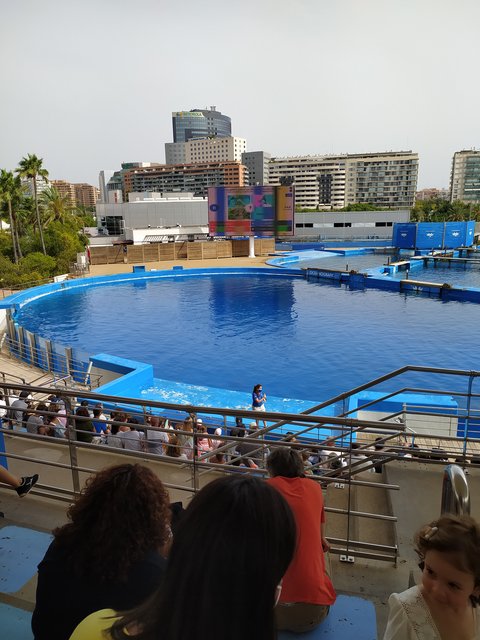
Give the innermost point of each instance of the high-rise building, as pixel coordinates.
(200, 123)
(86, 195)
(387, 180)
(319, 180)
(257, 163)
(193, 178)
(65, 188)
(103, 178)
(465, 176)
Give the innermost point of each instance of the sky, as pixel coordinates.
(89, 84)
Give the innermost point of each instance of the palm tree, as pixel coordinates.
(11, 192)
(57, 208)
(31, 168)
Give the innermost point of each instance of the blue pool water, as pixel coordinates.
(301, 339)
(457, 275)
(359, 262)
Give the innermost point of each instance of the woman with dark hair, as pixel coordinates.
(110, 554)
(84, 428)
(307, 590)
(230, 551)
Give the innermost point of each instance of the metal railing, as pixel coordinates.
(188, 475)
(360, 444)
(64, 370)
(455, 491)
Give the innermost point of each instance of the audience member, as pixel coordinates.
(156, 441)
(132, 439)
(99, 420)
(174, 449)
(36, 418)
(230, 551)
(443, 606)
(3, 409)
(84, 428)
(185, 440)
(307, 591)
(251, 452)
(21, 485)
(109, 554)
(17, 410)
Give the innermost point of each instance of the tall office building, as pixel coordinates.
(103, 178)
(257, 163)
(200, 123)
(387, 180)
(465, 176)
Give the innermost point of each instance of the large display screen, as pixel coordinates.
(251, 211)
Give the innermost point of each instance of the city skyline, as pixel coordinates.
(87, 90)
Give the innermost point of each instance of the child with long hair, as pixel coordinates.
(443, 607)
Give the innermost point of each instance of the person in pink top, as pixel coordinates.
(307, 591)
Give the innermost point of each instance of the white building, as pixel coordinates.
(465, 176)
(332, 182)
(152, 211)
(200, 150)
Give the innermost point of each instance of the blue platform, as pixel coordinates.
(20, 552)
(15, 623)
(350, 618)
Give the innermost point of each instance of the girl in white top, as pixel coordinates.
(443, 606)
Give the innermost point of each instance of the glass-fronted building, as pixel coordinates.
(465, 177)
(200, 123)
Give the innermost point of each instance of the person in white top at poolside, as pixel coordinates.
(443, 607)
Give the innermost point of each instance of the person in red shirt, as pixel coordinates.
(307, 591)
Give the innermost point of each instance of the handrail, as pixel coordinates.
(455, 491)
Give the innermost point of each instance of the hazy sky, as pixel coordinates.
(88, 84)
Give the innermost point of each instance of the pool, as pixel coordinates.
(347, 262)
(300, 339)
(457, 275)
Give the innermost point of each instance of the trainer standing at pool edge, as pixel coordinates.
(258, 398)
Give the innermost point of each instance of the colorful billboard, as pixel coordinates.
(264, 212)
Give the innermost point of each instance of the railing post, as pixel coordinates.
(70, 433)
(467, 417)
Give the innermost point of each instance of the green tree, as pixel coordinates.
(361, 206)
(31, 167)
(55, 207)
(11, 192)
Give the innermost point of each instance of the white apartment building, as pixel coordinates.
(332, 182)
(319, 180)
(200, 150)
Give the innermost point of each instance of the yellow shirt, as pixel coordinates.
(94, 626)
